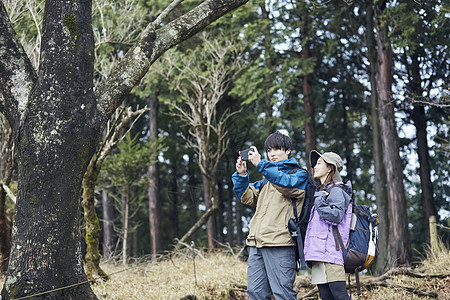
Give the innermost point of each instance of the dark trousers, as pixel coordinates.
(336, 290)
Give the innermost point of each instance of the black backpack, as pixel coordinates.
(297, 226)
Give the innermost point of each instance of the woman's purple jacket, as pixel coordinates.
(334, 209)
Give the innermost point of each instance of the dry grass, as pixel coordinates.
(219, 273)
(435, 263)
(216, 275)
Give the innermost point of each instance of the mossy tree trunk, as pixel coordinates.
(57, 130)
(56, 120)
(93, 256)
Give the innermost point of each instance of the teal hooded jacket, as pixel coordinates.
(272, 196)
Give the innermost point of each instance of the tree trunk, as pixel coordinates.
(399, 238)
(230, 216)
(57, 121)
(193, 198)
(239, 233)
(56, 140)
(347, 140)
(175, 201)
(208, 203)
(420, 122)
(92, 257)
(219, 217)
(109, 235)
(269, 60)
(380, 174)
(125, 221)
(308, 102)
(154, 202)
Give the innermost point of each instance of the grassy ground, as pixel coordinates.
(213, 277)
(219, 275)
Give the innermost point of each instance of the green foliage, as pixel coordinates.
(117, 26)
(269, 90)
(128, 166)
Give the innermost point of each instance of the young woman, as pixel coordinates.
(332, 208)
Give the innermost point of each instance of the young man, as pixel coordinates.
(271, 262)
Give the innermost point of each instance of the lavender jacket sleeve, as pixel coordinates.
(332, 208)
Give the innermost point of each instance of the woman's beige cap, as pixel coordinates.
(330, 158)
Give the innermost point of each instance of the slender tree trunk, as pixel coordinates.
(193, 198)
(230, 214)
(239, 233)
(347, 140)
(208, 203)
(269, 60)
(109, 235)
(125, 230)
(220, 224)
(424, 168)
(308, 101)
(92, 263)
(399, 237)
(380, 174)
(154, 202)
(420, 122)
(175, 200)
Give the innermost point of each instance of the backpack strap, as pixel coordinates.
(298, 239)
(263, 183)
(358, 286)
(338, 238)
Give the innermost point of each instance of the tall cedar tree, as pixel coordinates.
(399, 237)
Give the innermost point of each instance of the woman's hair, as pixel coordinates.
(278, 140)
(330, 176)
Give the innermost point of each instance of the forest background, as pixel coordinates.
(366, 80)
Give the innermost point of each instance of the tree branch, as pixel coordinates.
(203, 219)
(17, 76)
(153, 44)
(8, 191)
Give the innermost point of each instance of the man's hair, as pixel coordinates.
(278, 140)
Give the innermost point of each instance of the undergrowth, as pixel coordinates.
(219, 274)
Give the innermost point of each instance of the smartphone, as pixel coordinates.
(244, 153)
